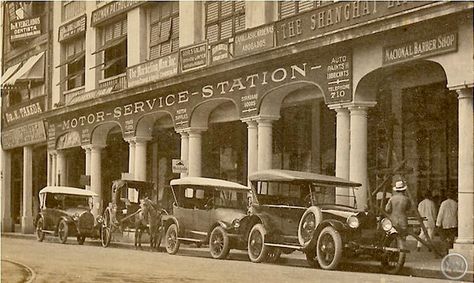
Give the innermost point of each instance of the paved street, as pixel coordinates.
(53, 262)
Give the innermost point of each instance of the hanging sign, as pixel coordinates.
(178, 166)
(254, 40)
(150, 71)
(193, 57)
(25, 29)
(72, 29)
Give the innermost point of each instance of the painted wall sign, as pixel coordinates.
(150, 71)
(254, 40)
(23, 111)
(69, 140)
(193, 57)
(24, 135)
(72, 29)
(336, 16)
(221, 52)
(421, 48)
(25, 29)
(112, 9)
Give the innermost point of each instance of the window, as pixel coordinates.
(75, 65)
(72, 9)
(224, 19)
(164, 29)
(115, 48)
(289, 8)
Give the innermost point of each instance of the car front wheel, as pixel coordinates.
(329, 248)
(219, 243)
(393, 261)
(62, 231)
(172, 241)
(257, 250)
(39, 230)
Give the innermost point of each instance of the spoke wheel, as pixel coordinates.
(308, 224)
(39, 230)
(172, 242)
(329, 248)
(219, 243)
(63, 231)
(392, 262)
(106, 229)
(81, 239)
(257, 250)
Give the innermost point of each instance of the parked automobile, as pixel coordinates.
(65, 211)
(207, 211)
(294, 210)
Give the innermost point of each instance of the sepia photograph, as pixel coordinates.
(237, 141)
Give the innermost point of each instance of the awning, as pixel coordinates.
(32, 69)
(111, 43)
(73, 59)
(9, 72)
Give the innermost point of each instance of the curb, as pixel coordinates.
(30, 271)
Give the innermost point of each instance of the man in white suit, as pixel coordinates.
(427, 210)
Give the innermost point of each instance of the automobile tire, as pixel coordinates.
(219, 245)
(311, 258)
(257, 250)
(81, 239)
(329, 248)
(39, 230)
(63, 231)
(392, 262)
(273, 255)
(307, 226)
(172, 241)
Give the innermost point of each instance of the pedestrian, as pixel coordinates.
(427, 210)
(447, 220)
(397, 207)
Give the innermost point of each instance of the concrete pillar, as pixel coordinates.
(184, 151)
(258, 13)
(140, 158)
(96, 176)
(265, 140)
(252, 147)
(358, 151)
(131, 157)
(464, 244)
(342, 153)
(6, 191)
(136, 39)
(27, 213)
(92, 43)
(56, 58)
(62, 168)
(48, 168)
(195, 154)
(191, 16)
(54, 168)
(87, 150)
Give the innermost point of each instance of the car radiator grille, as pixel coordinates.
(85, 222)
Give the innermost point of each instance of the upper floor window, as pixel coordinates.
(289, 8)
(224, 19)
(72, 9)
(114, 39)
(164, 28)
(75, 62)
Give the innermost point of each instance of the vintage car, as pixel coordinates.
(207, 211)
(66, 211)
(294, 210)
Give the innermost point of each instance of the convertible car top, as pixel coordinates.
(277, 175)
(67, 190)
(200, 181)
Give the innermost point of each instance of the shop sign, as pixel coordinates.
(221, 52)
(193, 57)
(111, 10)
(25, 29)
(336, 16)
(421, 48)
(72, 29)
(51, 136)
(178, 166)
(150, 71)
(24, 135)
(24, 111)
(254, 40)
(69, 140)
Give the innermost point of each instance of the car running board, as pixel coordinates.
(299, 248)
(48, 232)
(189, 240)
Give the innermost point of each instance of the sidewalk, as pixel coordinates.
(418, 264)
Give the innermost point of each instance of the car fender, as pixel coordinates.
(38, 216)
(337, 225)
(167, 220)
(260, 218)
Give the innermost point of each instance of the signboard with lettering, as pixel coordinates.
(24, 135)
(421, 48)
(69, 140)
(112, 9)
(193, 57)
(336, 16)
(153, 70)
(178, 166)
(254, 40)
(220, 52)
(25, 29)
(24, 111)
(72, 29)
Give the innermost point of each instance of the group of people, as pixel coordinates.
(446, 220)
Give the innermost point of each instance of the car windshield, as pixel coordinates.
(230, 199)
(64, 201)
(203, 197)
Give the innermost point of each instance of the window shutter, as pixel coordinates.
(240, 23)
(226, 8)
(287, 9)
(155, 34)
(212, 33)
(165, 31)
(175, 27)
(305, 5)
(155, 13)
(239, 6)
(212, 13)
(165, 48)
(155, 52)
(226, 28)
(174, 44)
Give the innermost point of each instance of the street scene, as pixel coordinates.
(181, 141)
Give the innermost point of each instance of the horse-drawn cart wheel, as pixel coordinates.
(106, 231)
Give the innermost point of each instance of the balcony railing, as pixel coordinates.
(73, 96)
(118, 82)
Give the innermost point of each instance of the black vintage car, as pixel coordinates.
(294, 210)
(66, 211)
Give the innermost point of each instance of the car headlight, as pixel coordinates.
(236, 223)
(75, 217)
(386, 224)
(353, 221)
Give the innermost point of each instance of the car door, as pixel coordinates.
(202, 213)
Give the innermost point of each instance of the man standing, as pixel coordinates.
(398, 206)
(427, 210)
(448, 219)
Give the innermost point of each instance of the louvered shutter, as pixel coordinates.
(155, 52)
(226, 28)
(305, 5)
(226, 9)
(287, 9)
(165, 31)
(212, 13)
(239, 6)
(155, 34)
(240, 23)
(212, 33)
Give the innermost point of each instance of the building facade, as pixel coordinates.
(365, 90)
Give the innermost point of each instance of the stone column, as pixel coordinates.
(252, 147)
(87, 150)
(48, 169)
(342, 153)
(54, 168)
(140, 158)
(265, 140)
(131, 157)
(96, 176)
(6, 191)
(184, 151)
(195, 154)
(465, 242)
(62, 168)
(27, 213)
(358, 151)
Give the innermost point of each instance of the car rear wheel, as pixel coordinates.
(172, 242)
(257, 250)
(81, 239)
(219, 243)
(393, 261)
(106, 229)
(39, 230)
(308, 224)
(63, 231)
(329, 248)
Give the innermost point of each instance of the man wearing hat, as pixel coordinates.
(398, 206)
